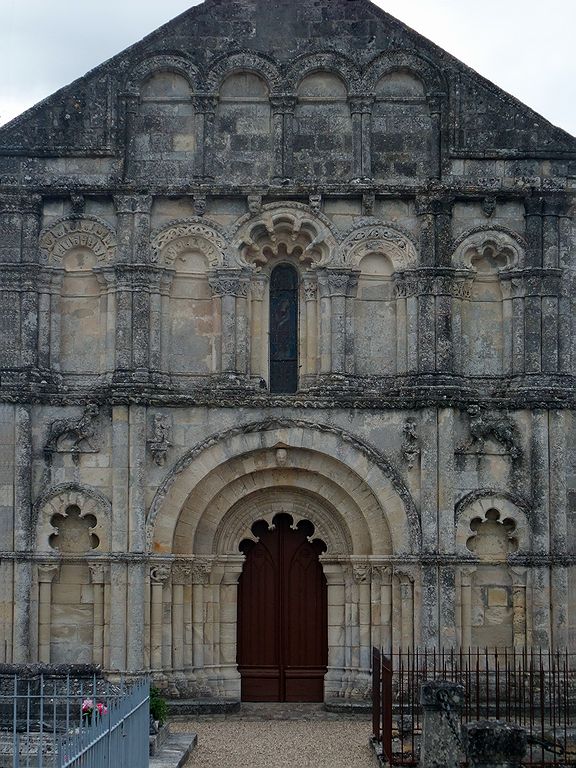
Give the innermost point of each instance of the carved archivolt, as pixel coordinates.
(74, 232)
(500, 247)
(401, 60)
(376, 237)
(476, 506)
(243, 61)
(58, 499)
(328, 61)
(178, 237)
(289, 229)
(396, 505)
(236, 525)
(163, 63)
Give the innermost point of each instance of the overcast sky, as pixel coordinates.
(526, 47)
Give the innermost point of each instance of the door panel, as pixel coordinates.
(282, 617)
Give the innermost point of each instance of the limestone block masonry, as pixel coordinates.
(427, 221)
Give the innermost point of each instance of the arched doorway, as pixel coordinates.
(282, 614)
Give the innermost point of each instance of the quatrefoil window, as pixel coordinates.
(74, 531)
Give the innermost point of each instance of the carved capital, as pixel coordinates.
(310, 285)
(205, 103)
(434, 205)
(229, 283)
(201, 570)
(98, 573)
(339, 282)
(283, 104)
(182, 573)
(159, 574)
(361, 573)
(361, 104)
(47, 571)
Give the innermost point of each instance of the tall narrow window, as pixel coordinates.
(284, 329)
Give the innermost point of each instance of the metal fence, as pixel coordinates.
(535, 689)
(66, 722)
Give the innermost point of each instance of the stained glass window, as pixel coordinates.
(284, 329)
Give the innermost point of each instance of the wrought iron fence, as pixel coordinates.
(56, 721)
(533, 688)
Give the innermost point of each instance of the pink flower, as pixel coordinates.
(102, 709)
(87, 706)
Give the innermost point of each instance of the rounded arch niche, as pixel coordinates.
(352, 495)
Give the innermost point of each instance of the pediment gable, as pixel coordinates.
(282, 39)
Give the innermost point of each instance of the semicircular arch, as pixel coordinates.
(368, 238)
(392, 61)
(206, 480)
(181, 235)
(78, 231)
(145, 69)
(243, 61)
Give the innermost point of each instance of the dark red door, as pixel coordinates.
(282, 615)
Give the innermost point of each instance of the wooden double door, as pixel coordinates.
(282, 615)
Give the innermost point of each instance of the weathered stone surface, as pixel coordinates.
(430, 442)
(494, 744)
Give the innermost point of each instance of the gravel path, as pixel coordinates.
(263, 743)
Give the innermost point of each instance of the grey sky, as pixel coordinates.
(524, 46)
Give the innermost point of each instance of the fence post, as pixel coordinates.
(441, 744)
(387, 708)
(494, 744)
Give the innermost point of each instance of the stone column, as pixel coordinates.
(228, 285)
(519, 627)
(98, 578)
(311, 340)
(181, 575)
(325, 330)
(534, 210)
(259, 327)
(466, 576)
(435, 101)
(334, 680)
(435, 217)
(205, 106)
(159, 574)
(340, 285)
(119, 543)
(228, 625)
(442, 702)
(518, 330)
(23, 535)
(361, 112)
(200, 578)
(386, 610)
(130, 100)
(46, 575)
(56, 281)
(31, 221)
(363, 577)
(407, 610)
(508, 323)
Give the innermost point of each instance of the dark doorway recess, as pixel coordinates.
(284, 329)
(282, 614)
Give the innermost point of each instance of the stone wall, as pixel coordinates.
(430, 442)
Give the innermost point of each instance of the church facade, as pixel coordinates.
(286, 358)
